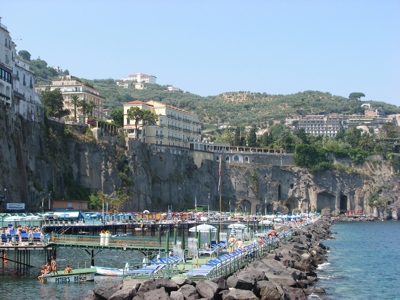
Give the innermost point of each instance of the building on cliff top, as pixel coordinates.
(17, 81)
(70, 87)
(174, 127)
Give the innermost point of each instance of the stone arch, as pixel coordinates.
(227, 159)
(245, 206)
(343, 204)
(325, 200)
(237, 158)
(270, 208)
(291, 203)
(246, 159)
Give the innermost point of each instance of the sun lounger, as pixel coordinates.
(148, 270)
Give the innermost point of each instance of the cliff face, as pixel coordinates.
(37, 158)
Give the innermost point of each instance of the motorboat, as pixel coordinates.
(75, 276)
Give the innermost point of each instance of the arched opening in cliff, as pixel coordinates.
(291, 203)
(343, 204)
(245, 206)
(325, 200)
(270, 208)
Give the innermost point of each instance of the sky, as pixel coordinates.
(211, 47)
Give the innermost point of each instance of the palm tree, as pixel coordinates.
(75, 102)
(91, 107)
(84, 105)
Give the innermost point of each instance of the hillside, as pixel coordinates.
(231, 108)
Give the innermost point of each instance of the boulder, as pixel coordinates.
(246, 279)
(157, 294)
(236, 294)
(105, 292)
(268, 290)
(123, 294)
(207, 289)
(189, 292)
(176, 295)
(153, 284)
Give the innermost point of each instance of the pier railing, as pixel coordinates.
(96, 241)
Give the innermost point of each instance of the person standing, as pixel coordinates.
(53, 264)
(231, 243)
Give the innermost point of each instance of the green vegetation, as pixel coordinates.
(242, 112)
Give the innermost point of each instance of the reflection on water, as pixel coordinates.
(28, 286)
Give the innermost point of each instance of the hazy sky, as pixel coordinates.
(210, 47)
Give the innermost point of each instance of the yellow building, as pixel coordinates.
(174, 127)
(70, 87)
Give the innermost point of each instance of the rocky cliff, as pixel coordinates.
(42, 157)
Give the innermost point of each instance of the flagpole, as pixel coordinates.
(220, 192)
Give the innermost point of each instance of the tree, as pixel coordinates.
(84, 105)
(117, 115)
(149, 118)
(267, 139)
(75, 102)
(137, 114)
(356, 96)
(390, 130)
(25, 55)
(236, 141)
(352, 136)
(252, 138)
(90, 107)
(53, 102)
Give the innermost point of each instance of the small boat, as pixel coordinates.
(75, 276)
(112, 271)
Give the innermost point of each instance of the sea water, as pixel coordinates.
(28, 287)
(363, 261)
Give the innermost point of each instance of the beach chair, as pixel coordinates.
(149, 270)
(210, 251)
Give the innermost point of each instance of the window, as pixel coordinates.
(23, 80)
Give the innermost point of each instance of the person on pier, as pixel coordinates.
(53, 264)
(231, 243)
(67, 269)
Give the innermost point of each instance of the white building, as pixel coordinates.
(174, 127)
(70, 87)
(27, 102)
(7, 56)
(17, 81)
(140, 77)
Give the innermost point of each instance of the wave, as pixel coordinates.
(329, 277)
(323, 266)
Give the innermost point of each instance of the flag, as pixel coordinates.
(219, 172)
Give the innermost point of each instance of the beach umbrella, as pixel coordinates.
(237, 226)
(203, 228)
(175, 233)
(183, 246)
(167, 242)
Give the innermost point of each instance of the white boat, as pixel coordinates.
(112, 271)
(75, 276)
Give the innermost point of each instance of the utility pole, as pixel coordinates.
(208, 206)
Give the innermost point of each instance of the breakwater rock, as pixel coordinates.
(287, 272)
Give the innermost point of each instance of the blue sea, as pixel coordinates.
(28, 287)
(363, 261)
